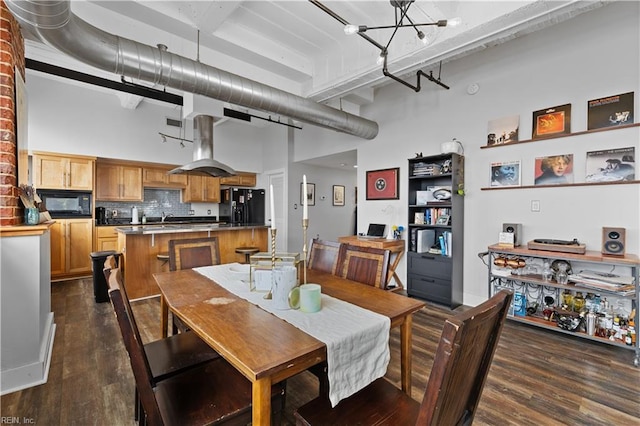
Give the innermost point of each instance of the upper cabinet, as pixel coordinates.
(201, 189)
(241, 179)
(158, 177)
(118, 181)
(52, 171)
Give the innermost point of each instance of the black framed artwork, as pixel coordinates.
(383, 184)
(311, 194)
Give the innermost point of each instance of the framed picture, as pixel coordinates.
(311, 194)
(611, 165)
(338, 195)
(506, 173)
(611, 111)
(383, 184)
(554, 170)
(443, 219)
(552, 121)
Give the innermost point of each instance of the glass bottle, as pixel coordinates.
(578, 302)
(562, 277)
(567, 300)
(547, 272)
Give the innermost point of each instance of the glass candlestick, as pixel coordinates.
(269, 295)
(305, 225)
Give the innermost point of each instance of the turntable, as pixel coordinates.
(563, 246)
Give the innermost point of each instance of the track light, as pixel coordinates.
(164, 136)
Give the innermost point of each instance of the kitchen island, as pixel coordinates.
(141, 244)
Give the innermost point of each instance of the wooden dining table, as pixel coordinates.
(263, 347)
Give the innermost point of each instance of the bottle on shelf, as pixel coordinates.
(578, 302)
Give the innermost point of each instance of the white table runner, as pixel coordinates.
(357, 339)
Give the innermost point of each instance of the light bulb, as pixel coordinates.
(423, 38)
(380, 59)
(350, 29)
(454, 22)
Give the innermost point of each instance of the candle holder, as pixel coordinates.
(305, 225)
(269, 295)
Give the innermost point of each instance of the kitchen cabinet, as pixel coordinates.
(542, 300)
(201, 189)
(118, 182)
(157, 177)
(241, 179)
(71, 244)
(106, 238)
(436, 228)
(52, 171)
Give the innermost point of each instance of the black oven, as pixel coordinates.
(62, 203)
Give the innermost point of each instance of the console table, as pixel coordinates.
(396, 247)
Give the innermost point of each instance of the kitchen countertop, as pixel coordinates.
(167, 228)
(171, 220)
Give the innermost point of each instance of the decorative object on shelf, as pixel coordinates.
(402, 20)
(503, 130)
(397, 231)
(610, 111)
(442, 194)
(552, 121)
(338, 195)
(611, 165)
(311, 194)
(383, 184)
(505, 173)
(453, 147)
(554, 170)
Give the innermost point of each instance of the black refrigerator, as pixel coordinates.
(242, 206)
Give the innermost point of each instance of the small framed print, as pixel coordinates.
(311, 194)
(338, 195)
(552, 121)
(443, 219)
(383, 184)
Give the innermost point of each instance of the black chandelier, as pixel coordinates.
(402, 20)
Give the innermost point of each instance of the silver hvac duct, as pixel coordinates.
(54, 24)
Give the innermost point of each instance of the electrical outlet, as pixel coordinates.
(535, 205)
(192, 212)
(209, 211)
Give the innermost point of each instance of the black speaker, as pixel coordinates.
(613, 241)
(516, 230)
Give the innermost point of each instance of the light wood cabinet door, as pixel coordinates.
(202, 189)
(116, 182)
(241, 179)
(57, 172)
(106, 238)
(79, 246)
(58, 251)
(159, 178)
(71, 245)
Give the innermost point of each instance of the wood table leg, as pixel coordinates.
(405, 354)
(392, 269)
(261, 399)
(164, 316)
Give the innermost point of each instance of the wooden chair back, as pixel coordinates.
(193, 252)
(462, 361)
(323, 256)
(135, 349)
(367, 265)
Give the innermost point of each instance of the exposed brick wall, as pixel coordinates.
(11, 55)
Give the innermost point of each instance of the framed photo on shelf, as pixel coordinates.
(554, 170)
(443, 219)
(552, 121)
(611, 165)
(505, 173)
(611, 111)
(338, 195)
(503, 130)
(311, 194)
(383, 184)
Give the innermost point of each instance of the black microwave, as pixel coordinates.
(66, 204)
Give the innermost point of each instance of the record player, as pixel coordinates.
(563, 246)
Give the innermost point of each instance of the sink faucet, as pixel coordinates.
(165, 216)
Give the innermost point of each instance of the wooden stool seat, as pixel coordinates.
(164, 257)
(247, 251)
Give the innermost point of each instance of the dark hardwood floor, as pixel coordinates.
(537, 377)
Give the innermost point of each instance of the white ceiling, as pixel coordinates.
(297, 47)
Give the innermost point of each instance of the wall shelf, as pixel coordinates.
(497, 188)
(585, 132)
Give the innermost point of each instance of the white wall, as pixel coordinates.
(590, 56)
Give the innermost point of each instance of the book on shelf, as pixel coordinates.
(418, 218)
(606, 277)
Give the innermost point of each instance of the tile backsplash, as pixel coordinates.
(156, 201)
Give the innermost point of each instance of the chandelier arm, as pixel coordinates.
(344, 22)
(398, 25)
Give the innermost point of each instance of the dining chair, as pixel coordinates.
(191, 253)
(366, 265)
(169, 356)
(323, 255)
(460, 367)
(210, 393)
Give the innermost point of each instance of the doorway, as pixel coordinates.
(277, 179)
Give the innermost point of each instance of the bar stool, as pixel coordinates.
(247, 251)
(164, 258)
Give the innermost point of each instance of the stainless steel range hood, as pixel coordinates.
(203, 162)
